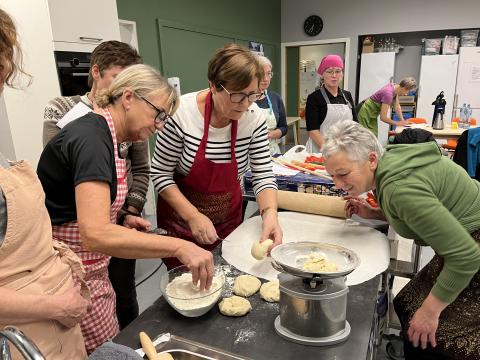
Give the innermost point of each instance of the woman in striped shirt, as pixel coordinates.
(216, 135)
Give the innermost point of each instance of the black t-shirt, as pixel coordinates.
(81, 151)
(316, 107)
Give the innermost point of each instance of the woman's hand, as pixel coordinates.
(271, 228)
(199, 261)
(360, 206)
(137, 223)
(401, 123)
(424, 323)
(202, 229)
(72, 307)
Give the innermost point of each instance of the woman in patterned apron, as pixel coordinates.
(379, 104)
(426, 197)
(204, 150)
(37, 292)
(272, 106)
(85, 185)
(329, 104)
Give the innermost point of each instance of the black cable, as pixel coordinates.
(149, 276)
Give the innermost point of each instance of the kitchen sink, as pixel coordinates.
(185, 349)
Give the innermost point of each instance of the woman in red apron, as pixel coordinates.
(205, 205)
(37, 293)
(84, 181)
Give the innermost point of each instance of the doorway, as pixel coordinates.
(300, 61)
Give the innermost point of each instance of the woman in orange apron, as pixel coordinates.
(215, 136)
(37, 293)
(84, 182)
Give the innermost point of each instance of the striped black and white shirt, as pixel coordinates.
(179, 141)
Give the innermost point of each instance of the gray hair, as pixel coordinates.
(353, 139)
(264, 61)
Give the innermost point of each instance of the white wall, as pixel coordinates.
(6, 141)
(352, 18)
(25, 107)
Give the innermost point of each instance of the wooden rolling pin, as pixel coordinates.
(148, 346)
(311, 203)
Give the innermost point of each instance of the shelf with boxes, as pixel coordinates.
(408, 105)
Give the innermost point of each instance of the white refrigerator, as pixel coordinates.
(437, 73)
(468, 80)
(376, 70)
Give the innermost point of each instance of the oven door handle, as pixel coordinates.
(86, 38)
(79, 74)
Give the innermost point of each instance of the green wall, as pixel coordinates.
(252, 20)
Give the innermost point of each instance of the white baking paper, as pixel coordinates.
(371, 246)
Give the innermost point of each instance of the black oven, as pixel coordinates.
(72, 69)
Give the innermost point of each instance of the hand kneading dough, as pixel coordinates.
(270, 291)
(246, 285)
(234, 306)
(259, 249)
(165, 356)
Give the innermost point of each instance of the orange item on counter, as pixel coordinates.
(456, 119)
(417, 120)
(371, 200)
(473, 121)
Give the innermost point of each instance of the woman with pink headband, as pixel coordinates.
(329, 104)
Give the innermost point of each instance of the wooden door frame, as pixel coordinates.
(283, 58)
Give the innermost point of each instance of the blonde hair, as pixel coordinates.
(350, 137)
(234, 66)
(144, 81)
(10, 52)
(408, 83)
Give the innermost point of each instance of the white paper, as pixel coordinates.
(283, 170)
(371, 246)
(77, 111)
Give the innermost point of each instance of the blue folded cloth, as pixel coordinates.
(112, 351)
(473, 150)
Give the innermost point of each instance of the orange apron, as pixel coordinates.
(31, 264)
(100, 324)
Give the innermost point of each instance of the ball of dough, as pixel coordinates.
(246, 285)
(165, 356)
(259, 249)
(270, 291)
(234, 306)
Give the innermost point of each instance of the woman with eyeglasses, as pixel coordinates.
(329, 104)
(381, 102)
(216, 135)
(84, 180)
(272, 106)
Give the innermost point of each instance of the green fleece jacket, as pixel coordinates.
(427, 197)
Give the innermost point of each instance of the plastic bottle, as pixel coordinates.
(463, 115)
(468, 116)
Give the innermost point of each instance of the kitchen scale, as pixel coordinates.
(313, 306)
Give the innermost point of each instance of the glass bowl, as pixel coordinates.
(186, 298)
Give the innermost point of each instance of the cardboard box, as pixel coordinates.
(367, 48)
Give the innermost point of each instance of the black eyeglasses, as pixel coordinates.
(238, 97)
(161, 116)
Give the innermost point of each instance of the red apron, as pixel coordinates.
(100, 324)
(213, 188)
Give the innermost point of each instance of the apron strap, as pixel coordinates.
(327, 100)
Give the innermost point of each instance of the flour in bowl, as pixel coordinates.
(185, 296)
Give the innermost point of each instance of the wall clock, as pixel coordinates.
(313, 25)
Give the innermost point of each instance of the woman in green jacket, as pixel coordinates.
(426, 197)
(380, 103)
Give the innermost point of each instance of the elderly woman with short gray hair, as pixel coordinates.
(428, 198)
(271, 104)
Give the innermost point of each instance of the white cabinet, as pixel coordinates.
(80, 26)
(376, 71)
(468, 79)
(437, 73)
